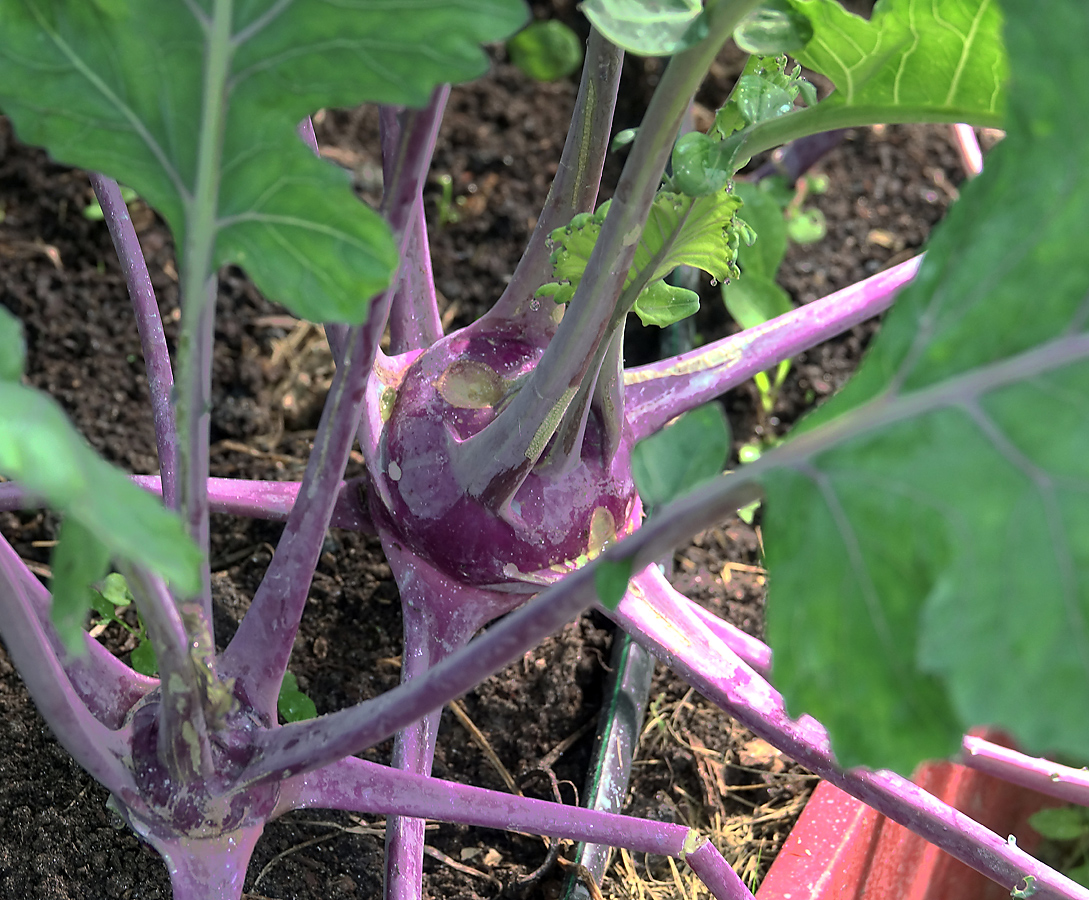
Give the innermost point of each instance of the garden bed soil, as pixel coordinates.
(499, 145)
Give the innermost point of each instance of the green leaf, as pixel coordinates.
(913, 60)
(1060, 823)
(929, 545)
(806, 226)
(194, 105)
(680, 231)
(758, 99)
(115, 590)
(292, 703)
(663, 304)
(765, 216)
(40, 449)
(753, 300)
(143, 658)
(79, 560)
(649, 27)
(773, 27)
(681, 456)
(611, 581)
(12, 347)
(1080, 874)
(546, 51)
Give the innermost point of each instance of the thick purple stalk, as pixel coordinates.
(971, 157)
(368, 787)
(1043, 775)
(654, 592)
(105, 685)
(272, 500)
(183, 747)
(493, 463)
(717, 673)
(575, 187)
(193, 463)
(305, 746)
(658, 392)
(95, 747)
(149, 323)
(794, 159)
(201, 869)
(439, 616)
(414, 322)
(259, 653)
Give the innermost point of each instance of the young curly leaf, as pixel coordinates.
(914, 60)
(79, 560)
(680, 231)
(194, 105)
(649, 27)
(682, 456)
(764, 215)
(929, 545)
(773, 27)
(43, 451)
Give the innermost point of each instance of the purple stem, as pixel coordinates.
(1043, 775)
(95, 747)
(271, 500)
(971, 157)
(717, 673)
(654, 590)
(440, 616)
(160, 379)
(195, 487)
(201, 869)
(658, 392)
(183, 746)
(494, 463)
(107, 687)
(575, 187)
(259, 653)
(305, 130)
(794, 159)
(305, 746)
(361, 786)
(658, 597)
(414, 315)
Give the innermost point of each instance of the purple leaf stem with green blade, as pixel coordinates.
(498, 471)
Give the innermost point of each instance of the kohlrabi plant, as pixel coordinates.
(926, 530)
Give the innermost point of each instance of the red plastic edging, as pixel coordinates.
(841, 849)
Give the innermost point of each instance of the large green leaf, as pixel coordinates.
(194, 105)
(649, 27)
(690, 451)
(931, 55)
(40, 448)
(930, 571)
(913, 61)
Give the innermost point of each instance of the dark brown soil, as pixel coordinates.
(499, 146)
